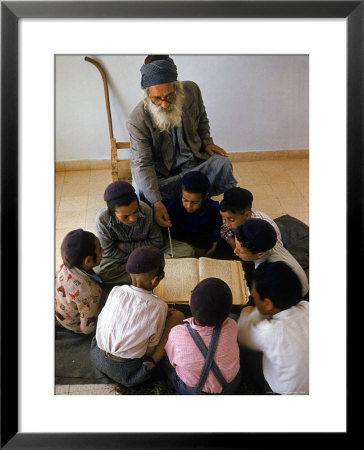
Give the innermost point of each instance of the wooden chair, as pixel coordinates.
(120, 168)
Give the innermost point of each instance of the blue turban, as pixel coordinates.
(158, 72)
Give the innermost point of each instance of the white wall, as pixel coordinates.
(254, 103)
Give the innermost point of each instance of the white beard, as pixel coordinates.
(168, 118)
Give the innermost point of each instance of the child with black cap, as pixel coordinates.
(235, 208)
(278, 328)
(203, 352)
(79, 295)
(134, 324)
(124, 224)
(195, 217)
(256, 241)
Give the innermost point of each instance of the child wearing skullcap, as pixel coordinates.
(203, 352)
(124, 224)
(134, 324)
(256, 241)
(195, 217)
(79, 293)
(274, 334)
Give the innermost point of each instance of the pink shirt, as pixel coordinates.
(188, 361)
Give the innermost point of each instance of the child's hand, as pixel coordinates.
(231, 241)
(212, 249)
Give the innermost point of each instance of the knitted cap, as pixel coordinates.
(158, 71)
(71, 247)
(118, 189)
(257, 235)
(211, 301)
(196, 181)
(144, 259)
(278, 281)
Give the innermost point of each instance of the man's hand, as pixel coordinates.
(212, 148)
(161, 215)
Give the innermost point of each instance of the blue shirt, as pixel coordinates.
(200, 228)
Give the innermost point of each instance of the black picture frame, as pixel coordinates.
(11, 12)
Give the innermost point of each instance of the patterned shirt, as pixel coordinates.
(78, 300)
(188, 361)
(226, 233)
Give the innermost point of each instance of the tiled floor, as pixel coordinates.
(279, 187)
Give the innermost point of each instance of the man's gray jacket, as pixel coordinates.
(148, 144)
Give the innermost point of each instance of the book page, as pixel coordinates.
(181, 276)
(229, 271)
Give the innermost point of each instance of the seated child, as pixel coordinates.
(125, 224)
(79, 295)
(133, 326)
(236, 208)
(203, 352)
(195, 217)
(278, 327)
(256, 241)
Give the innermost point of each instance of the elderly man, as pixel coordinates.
(169, 136)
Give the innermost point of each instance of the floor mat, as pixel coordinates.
(296, 237)
(73, 363)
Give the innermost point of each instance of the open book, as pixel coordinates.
(182, 275)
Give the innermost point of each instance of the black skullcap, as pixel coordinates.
(258, 235)
(144, 259)
(211, 302)
(71, 247)
(118, 189)
(158, 71)
(196, 181)
(277, 281)
(238, 197)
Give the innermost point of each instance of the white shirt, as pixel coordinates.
(131, 320)
(279, 253)
(284, 340)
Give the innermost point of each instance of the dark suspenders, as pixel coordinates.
(209, 356)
